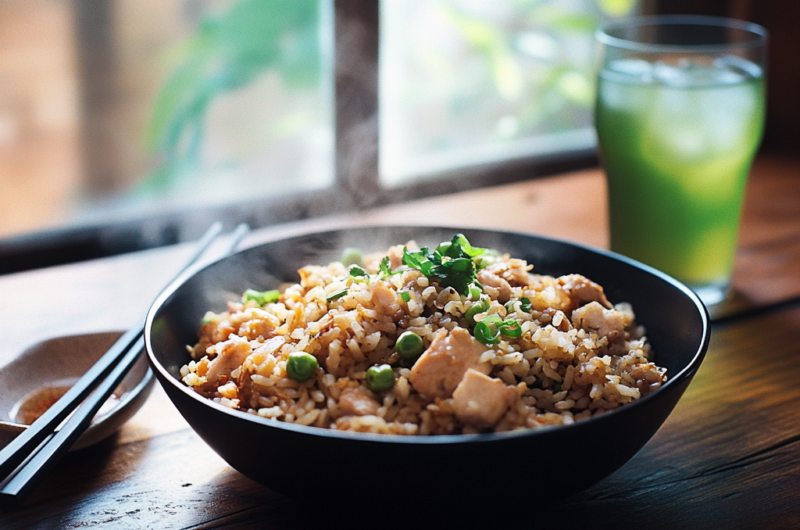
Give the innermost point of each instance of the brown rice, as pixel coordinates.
(576, 356)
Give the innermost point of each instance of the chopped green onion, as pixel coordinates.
(510, 328)
(489, 257)
(486, 334)
(405, 296)
(336, 294)
(476, 308)
(474, 292)
(525, 305)
(556, 387)
(493, 320)
(261, 297)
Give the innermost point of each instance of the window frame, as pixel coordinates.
(356, 186)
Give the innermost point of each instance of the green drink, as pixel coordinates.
(677, 135)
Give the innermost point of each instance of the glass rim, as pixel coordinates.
(759, 32)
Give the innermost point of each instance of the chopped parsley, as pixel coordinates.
(386, 269)
(453, 263)
(357, 272)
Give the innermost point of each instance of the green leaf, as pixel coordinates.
(357, 272)
(451, 262)
(419, 261)
(386, 268)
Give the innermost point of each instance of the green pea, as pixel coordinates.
(408, 346)
(352, 256)
(380, 378)
(301, 366)
(476, 308)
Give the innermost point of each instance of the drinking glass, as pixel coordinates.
(679, 116)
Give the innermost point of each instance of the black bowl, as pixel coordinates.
(524, 465)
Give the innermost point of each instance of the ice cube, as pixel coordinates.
(678, 76)
(633, 69)
(743, 67)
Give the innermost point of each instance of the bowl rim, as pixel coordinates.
(687, 372)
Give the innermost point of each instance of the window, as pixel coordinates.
(465, 82)
(130, 123)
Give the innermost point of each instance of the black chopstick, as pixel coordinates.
(32, 472)
(20, 448)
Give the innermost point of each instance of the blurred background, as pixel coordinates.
(124, 123)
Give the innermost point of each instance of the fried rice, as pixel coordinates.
(510, 350)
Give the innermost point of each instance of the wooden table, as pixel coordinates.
(728, 456)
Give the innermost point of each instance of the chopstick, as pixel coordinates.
(110, 370)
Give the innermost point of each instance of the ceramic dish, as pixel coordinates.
(44, 371)
(337, 467)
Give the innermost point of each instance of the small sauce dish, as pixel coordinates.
(37, 378)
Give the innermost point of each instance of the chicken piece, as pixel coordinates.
(595, 318)
(396, 256)
(518, 274)
(385, 299)
(549, 297)
(231, 354)
(356, 402)
(441, 367)
(480, 401)
(488, 279)
(581, 290)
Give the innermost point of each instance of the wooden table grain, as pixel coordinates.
(727, 457)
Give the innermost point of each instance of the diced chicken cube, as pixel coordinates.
(356, 402)
(581, 290)
(595, 318)
(231, 355)
(488, 279)
(480, 401)
(441, 367)
(385, 299)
